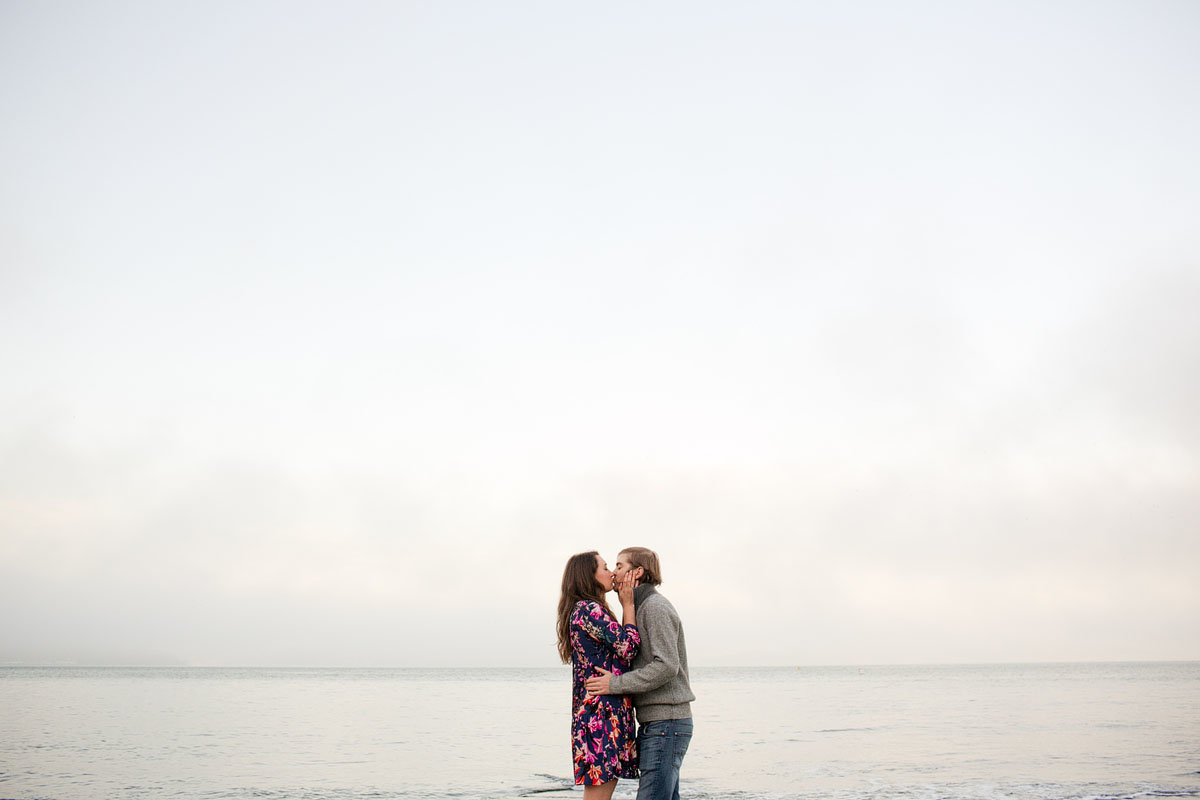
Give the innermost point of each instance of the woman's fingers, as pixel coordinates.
(626, 590)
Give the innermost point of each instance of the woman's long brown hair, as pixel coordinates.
(578, 583)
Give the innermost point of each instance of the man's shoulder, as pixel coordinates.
(657, 597)
(656, 603)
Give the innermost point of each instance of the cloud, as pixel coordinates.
(881, 375)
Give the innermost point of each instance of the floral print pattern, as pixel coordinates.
(603, 736)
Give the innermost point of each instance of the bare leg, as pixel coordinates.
(602, 792)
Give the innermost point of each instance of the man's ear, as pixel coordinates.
(638, 572)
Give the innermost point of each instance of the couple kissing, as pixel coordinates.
(638, 663)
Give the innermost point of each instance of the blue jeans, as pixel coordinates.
(661, 747)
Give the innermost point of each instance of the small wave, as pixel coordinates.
(978, 791)
(845, 730)
(557, 784)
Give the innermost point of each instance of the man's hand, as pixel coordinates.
(598, 684)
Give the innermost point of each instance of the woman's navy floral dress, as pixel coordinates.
(603, 737)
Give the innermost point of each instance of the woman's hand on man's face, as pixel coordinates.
(625, 586)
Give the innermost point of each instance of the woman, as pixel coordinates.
(603, 738)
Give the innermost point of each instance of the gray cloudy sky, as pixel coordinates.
(329, 331)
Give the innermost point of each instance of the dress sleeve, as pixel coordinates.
(597, 623)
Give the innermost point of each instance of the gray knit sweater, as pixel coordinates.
(658, 682)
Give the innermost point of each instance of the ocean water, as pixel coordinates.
(1045, 732)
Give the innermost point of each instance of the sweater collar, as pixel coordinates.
(641, 593)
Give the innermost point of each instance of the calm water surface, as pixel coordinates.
(1050, 732)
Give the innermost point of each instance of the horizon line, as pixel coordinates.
(847, 665)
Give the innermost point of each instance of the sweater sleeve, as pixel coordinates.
(661, 629)
(593, 620)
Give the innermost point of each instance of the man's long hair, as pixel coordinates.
(578, 583)
(647, 559)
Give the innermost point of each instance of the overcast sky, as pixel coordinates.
(329, 331)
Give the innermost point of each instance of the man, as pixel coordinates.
(658, 682)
